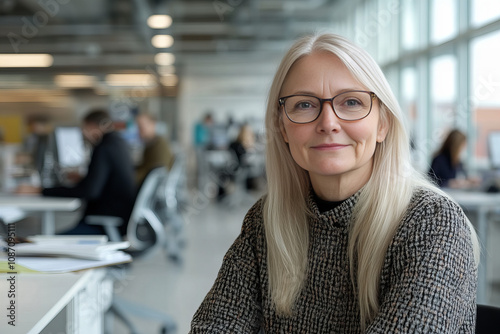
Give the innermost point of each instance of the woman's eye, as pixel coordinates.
(304, 105)
(352, 103)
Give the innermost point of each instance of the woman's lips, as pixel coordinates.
(328, 147)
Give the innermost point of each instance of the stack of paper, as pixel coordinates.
(10, 215)
(84, 248)
(65, 253)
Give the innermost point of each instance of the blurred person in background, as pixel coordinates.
(40, 140)
(349, 238)
(245, 141)
(244, 144)
(203, 132)
(157, 151)
(446, 168)
(108, 187)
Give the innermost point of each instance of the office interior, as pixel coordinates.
(182, 60)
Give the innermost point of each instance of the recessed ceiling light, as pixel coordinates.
(75, 80)
(164, 59)
(134, 79)
(26, 60)
(162, 41)
(159, 21)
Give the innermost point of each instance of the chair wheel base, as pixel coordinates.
(167, 329)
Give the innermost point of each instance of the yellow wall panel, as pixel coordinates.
(11, 126)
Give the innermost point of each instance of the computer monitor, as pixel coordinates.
(69, 146)
(494, 149)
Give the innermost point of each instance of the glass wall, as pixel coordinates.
(484, 11)
(443, 94)
(443, 20)
(485, 89)
(442, 58)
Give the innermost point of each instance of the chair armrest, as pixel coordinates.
(104, 220)
(109, 223)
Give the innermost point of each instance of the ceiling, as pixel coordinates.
(220, 47)
(109, 36)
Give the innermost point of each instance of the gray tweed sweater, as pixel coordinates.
(427, 284)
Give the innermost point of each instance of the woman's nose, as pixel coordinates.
(328, 120)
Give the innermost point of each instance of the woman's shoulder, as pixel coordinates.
(254, 221)
(433, 209)
(424, 197)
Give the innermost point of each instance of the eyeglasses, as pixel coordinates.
(348, 106)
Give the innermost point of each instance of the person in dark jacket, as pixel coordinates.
(446, 167)
(108, 187)
(157, 151)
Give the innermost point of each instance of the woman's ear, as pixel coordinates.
(383, 125)
(283, 130)
(383, 128)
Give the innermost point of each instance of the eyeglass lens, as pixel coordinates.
(347, 106)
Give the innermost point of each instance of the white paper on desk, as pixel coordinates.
(83, 251)
(10, 215)
(69, 239)
(65, 264)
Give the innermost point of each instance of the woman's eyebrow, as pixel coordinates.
(340, 91)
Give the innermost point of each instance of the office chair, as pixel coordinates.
(146, 233)
(168, 209)
(487, 319)
(240, 172)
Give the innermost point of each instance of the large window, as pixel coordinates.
(443, 92)
(385, 18)
(408, 101)
(484, 11)
(485, 91)
(442, 58)
(410, 24)
(444, 20)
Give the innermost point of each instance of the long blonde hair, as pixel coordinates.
(382, 201)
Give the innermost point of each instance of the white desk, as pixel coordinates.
(482, 203)
(47, 205)
(82, 297)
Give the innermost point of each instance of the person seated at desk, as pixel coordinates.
(349, 238)
(446, 165)
(157, 150)
(108, 187)
(244, 142)
(40, 141)
(243, 145)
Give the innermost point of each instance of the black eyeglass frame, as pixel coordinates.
(281, 102)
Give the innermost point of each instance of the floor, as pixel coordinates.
(210, 228)
(179, 289)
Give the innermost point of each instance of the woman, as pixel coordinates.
(446, 164)
(244, 141)
(350, 238)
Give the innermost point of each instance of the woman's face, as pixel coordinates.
(330, 146)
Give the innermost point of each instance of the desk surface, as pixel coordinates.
(474, 198)
(39, 298)
(481, 203)
(39, 203)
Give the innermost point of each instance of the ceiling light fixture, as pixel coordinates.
(75, 80)
(169, 80)
(135, 79)
(162, 41)
(159, 21)
(164, 59)
(26, 60)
